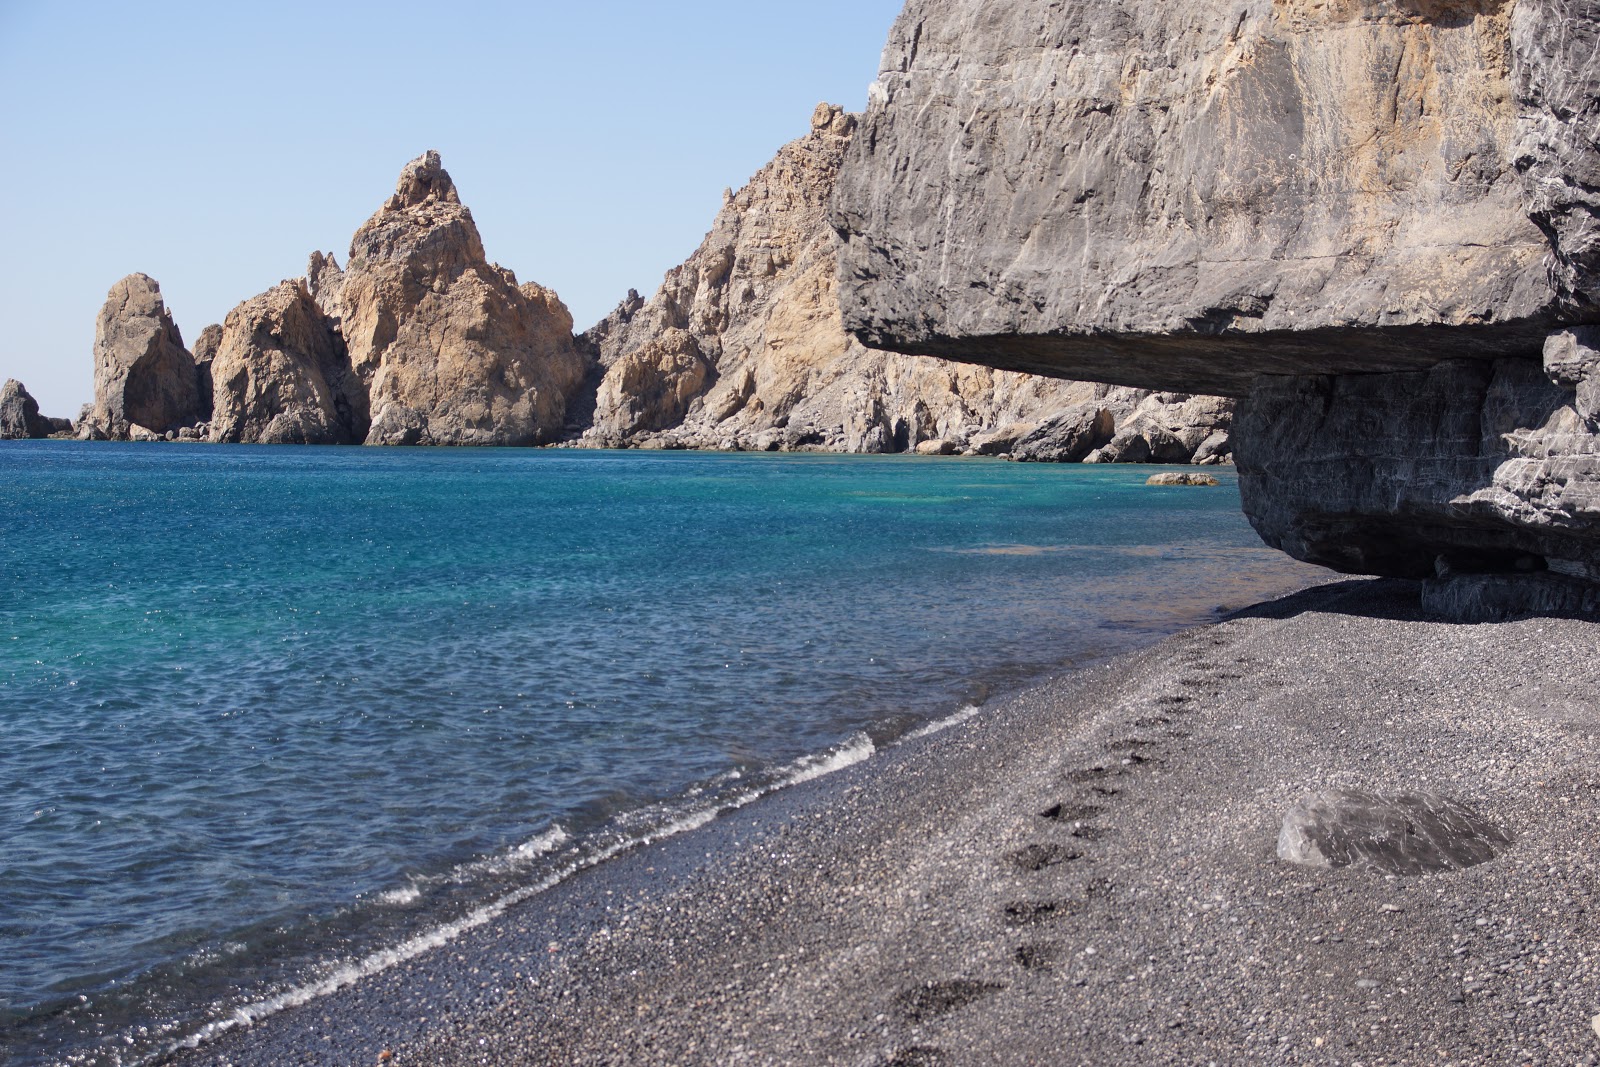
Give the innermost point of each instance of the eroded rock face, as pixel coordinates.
(1471, 466)
(19, 414)
(1188, 195)
(449, 348)
(281, 375)
(143, 375)
(743, 347)
(1407, 834)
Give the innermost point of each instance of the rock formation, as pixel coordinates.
(143, 375)
(743, 347)
(19, 415)
(451, 351)
(1374, 219)
(282, 375)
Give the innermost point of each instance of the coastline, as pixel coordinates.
(921, 908)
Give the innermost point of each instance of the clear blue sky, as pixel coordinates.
(215, 146)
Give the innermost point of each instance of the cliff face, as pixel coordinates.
(281, 375)
(743, 347)
(1267, 199)
(1188, 195)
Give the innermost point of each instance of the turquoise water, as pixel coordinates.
(267, 712)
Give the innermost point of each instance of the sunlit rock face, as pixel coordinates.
(742, 347)
(1284, 200)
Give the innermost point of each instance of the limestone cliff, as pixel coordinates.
(743, 347)
(1373, 218)
(144, 378)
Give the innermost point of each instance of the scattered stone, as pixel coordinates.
(1408, 835)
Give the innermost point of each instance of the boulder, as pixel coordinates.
(1407, 834)
(142, 372)
(19, 414)
(1181, 478)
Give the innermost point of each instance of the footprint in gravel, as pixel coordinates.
(916, 1056)
(1092, 774)
(1038, 857)
(919, 1003)
(1175, 702)
(1034, 912)
(1070, 812)
(1151, 721)
(1129, 744)
(1038, 955)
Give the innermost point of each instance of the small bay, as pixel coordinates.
(266, 713)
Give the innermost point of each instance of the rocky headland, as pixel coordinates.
(1373, 223)
(743, 347)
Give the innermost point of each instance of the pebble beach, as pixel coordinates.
(1084, 873)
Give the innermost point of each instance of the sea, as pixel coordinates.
(272, 719)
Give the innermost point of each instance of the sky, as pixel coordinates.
(215, 146)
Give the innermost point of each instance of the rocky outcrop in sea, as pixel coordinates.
(420, 340)
(1373, 223)
(742, 347)
(19, 415)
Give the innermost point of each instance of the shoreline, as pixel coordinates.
(926, 906)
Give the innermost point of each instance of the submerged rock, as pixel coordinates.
(1409, 834)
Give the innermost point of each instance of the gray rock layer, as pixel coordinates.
(1185, 196)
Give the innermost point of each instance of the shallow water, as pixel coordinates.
(268, 713)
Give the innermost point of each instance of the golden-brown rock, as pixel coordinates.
(281, 375)
(450, 349)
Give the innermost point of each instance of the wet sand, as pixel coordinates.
(1085, 873)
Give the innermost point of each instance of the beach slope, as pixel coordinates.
(1085, 873)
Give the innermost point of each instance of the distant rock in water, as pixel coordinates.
(19, 415)
(282, 375)
(743, 347)
(449, 348)
(143, 375)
